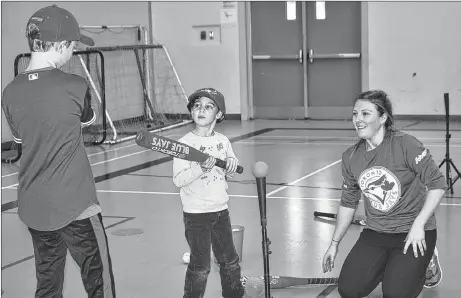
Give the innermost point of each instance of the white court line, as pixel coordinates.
(10, 186)
(95, 164)
(333, 137)
(110, 150)
(115, 149)
(89, 155)
(234, 196)
(260, 142)
(120, 157)
(237, 196)
(139, 192)
(96, 153)
(302, 178)
(334, 144)
(12, 174)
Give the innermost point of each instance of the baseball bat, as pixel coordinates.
(281, 282)
(355, 221)
(176, 149)
(260, 172)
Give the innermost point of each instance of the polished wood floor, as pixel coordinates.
(143, 216)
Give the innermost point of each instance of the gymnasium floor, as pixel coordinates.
(142, 211)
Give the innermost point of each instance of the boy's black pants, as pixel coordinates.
(87, 243)
(378, 257)
(203, 230)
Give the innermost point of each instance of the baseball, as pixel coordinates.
(186, 258)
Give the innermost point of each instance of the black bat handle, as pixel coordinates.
(324, 214)
(222, 164)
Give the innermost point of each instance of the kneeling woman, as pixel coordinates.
(401, 186)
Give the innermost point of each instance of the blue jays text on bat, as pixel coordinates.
(166, 145)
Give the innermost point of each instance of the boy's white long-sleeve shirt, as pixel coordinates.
(200, 191)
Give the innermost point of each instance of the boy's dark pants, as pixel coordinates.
(201, 230)
(87, 243)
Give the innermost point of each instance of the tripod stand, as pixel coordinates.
(447, 158)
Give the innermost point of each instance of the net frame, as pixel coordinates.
(142, 39)
(11, 157)
(100, 96)
(146, 83)
(101, 100)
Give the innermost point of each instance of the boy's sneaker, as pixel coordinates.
(433, 271)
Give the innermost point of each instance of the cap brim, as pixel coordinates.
(86, 40)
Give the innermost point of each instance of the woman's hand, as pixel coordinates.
(416, 237)
(329, 258)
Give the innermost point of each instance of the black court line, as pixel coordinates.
(108, 227)
(9, 205)
(104, 216)
(327, 291)
(167, 159)
(340, 128)
(410, 125)
(244, 182)
(433, 129)
(314, 128)
(267, 183)
(128, 170)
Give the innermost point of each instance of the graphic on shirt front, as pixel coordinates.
(381, 187)
(211, 150)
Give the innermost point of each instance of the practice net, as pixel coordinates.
(124, 102)
(141, 95)
(143, 89)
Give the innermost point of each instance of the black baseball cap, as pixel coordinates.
(57, 24)
(212, 94)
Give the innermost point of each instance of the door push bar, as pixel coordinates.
(299, 56)
(313, 56)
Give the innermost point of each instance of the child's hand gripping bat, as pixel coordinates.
(176, 149)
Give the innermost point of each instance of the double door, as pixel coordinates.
(304, 67)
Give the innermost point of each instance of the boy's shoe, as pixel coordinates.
(433, 271)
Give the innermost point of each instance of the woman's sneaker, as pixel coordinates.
(433, 271)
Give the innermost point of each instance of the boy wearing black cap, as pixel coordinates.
(204, 198)
(45, 109)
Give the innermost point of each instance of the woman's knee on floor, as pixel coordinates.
(347, 290)
(402, 291)
(353, 285)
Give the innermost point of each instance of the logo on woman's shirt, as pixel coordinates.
(381, 187)
(421, 156)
